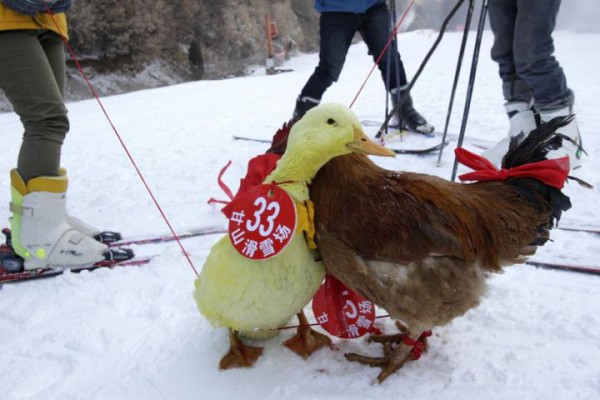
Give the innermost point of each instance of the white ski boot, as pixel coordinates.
(521, 119)
(573, 150)
(41, 233)
(105, 237)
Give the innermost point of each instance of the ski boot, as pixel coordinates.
(572, 147)
(408, 118)
(303, 104)
(9, 260)
(522, 119)
(41, 233)
(106, 237)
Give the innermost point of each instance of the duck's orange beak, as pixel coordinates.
(362, 144)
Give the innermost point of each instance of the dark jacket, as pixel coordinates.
(350, 6)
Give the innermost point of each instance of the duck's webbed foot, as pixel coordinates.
(397, 350)
(306, 341)
(239, 355)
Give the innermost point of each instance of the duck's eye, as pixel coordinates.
(331, 121)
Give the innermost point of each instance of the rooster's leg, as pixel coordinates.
(396, 352)
(306, 341)
(239, 355)
(395, 338)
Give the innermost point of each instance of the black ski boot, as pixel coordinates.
(303, 104)
(408, 117)
(9, 260)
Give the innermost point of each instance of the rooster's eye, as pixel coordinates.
(331, 121)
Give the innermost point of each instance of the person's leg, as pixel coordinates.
(30, 84)
(55, 53)
(533, 52)
(375, 30)
(336, 33)
(503, 18)
(516, 92)
(32, 65)
(535, 63)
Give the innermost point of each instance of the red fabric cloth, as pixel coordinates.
(258, 169)
(418, 346)
(551, 172)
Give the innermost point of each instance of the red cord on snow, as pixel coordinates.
(137, 170)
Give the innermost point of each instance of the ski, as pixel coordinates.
(275, 71)
(566, 267)
(423, 151)
(152, 239)
(7, 255)
(482, 144)
(575, 228)
(19, 276)
(250, 139)
(159, 238)
(415, 151)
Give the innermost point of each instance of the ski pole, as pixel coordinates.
(461, 136)
(402, 99)
(388, 63)
(461, 55)
(396, 55)
(392, 55)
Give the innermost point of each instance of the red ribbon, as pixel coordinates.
(223, 186)
(418, 346)
(258, 169)
(551, 172)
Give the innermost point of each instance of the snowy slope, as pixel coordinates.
(135, 333)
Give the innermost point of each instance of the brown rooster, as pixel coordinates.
(420, 246)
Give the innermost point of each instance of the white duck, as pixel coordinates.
(255, 297)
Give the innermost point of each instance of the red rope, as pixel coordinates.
(141, 176)
(315, 324)
(394, 33)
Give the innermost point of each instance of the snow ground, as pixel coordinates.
(135, 333)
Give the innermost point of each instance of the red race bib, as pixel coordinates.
(262, 221)
(342, 312)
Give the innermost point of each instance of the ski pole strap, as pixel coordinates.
(20, 210)
(551, 172)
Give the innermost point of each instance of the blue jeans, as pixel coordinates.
(523, 48)
(336, 32)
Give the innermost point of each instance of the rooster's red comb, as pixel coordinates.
(279, 142)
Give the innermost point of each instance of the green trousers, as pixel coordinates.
(32, 75)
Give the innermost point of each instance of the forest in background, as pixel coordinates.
(135, 44)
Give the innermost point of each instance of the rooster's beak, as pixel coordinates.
(362, 144)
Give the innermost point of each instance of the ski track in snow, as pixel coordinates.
(135, 333)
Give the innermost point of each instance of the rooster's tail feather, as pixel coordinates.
(534, 148)
(537, 144)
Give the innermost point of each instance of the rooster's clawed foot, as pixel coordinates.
(397, 350)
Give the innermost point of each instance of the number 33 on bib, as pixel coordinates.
(262, 222)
